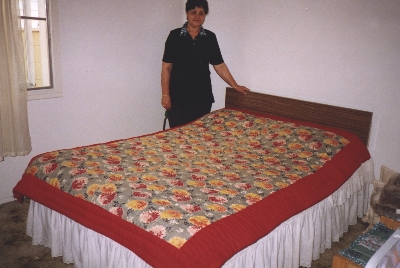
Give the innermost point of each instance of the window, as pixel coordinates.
(36, 36)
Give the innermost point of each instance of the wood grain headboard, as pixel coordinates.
(355, 121)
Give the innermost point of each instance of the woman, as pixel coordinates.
(185, 75)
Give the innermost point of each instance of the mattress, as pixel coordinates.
(244, 156)
(295, 242)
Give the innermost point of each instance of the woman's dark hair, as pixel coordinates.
(192, 4)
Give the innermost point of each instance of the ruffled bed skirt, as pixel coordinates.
(296, 242)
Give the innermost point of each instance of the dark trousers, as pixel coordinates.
(182, 114)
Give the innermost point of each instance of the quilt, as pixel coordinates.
(195, 195)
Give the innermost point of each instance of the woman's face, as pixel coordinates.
(196, 17)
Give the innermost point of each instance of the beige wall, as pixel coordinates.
(37, 55)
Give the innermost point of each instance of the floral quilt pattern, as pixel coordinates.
(174, 183)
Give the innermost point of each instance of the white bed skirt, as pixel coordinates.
(296, 242)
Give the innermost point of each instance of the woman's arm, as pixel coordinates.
(165, 77)
(223, 71)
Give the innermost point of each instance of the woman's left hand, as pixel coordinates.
(242, 89)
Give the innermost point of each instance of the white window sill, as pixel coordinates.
(43, 94)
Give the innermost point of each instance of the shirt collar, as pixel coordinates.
(184, 30)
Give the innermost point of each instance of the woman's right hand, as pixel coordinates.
(166, 101)
(165, 77)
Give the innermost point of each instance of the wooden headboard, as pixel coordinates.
(355, 121)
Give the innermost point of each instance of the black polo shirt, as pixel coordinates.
(190, 80)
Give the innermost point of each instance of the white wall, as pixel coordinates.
(343, 52)
(110, 61)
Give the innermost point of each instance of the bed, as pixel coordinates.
(267, 181)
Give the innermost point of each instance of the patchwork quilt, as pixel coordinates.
(197, 194)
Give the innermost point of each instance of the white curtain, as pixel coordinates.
(14, 131)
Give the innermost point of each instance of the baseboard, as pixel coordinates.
(6, 200)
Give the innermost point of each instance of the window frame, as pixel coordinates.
(54, 90)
